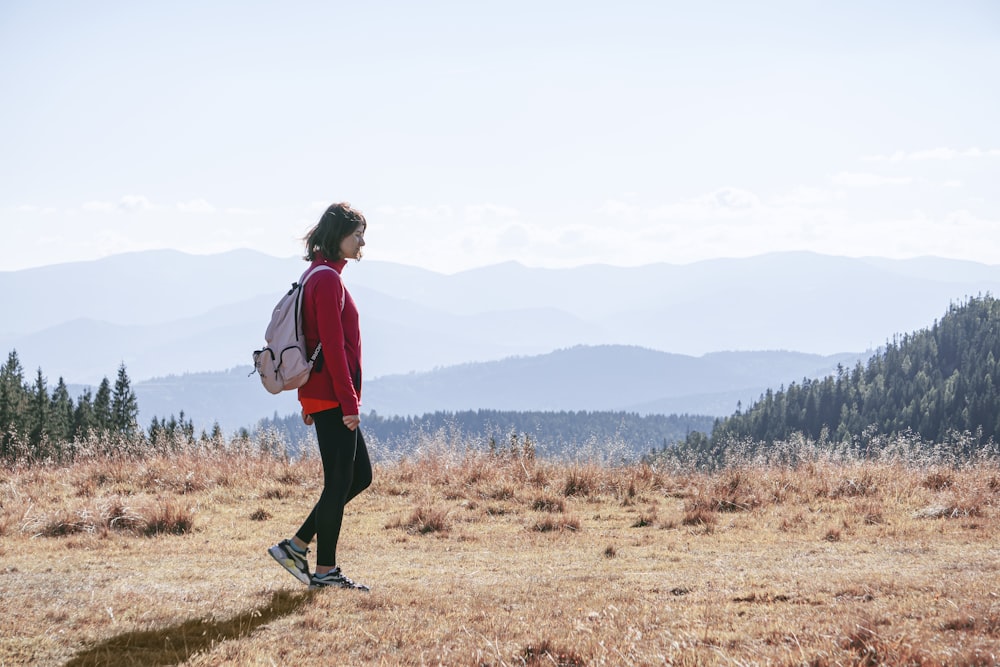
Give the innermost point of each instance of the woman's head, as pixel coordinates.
(339, 234)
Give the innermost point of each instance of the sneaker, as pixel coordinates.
(335, 578)
(291, 560)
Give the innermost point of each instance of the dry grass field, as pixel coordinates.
(501, 559)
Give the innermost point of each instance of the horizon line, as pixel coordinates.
(515, 262)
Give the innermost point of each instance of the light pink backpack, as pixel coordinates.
(283, 363)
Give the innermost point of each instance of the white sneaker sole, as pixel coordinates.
(278, 554)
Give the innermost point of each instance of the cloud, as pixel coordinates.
(723, 222)
(31, 208)
(514, 238)
(126, 203)
(934, 154)
(960, 234)
(135, 203)
(807, 197)
(318, 207)
(733, 199)
(410, 213)
(615, 208)
(489, 213)
(866, 180)
(195, 206)
(453, 238)
(722, 203)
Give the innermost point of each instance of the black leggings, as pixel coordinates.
(347, 471)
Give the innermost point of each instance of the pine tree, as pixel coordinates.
(61, 413)
(124, 406)
(38, 416)
(13, 403)
(186, 427)
(102, 407)
(83, 415)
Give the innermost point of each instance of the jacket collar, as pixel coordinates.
(336, 264)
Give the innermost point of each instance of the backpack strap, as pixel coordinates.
(298, 305)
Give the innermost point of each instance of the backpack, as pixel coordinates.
(283, 363)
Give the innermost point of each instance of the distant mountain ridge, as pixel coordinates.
(601, 378)
(168, 313)
(643, 339)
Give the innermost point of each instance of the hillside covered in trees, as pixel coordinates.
(935, 383)
(38, 424)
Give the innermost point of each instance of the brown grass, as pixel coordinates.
(545, 503)
(496, 560)
(557, 523)
(423, 520)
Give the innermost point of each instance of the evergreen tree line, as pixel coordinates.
(38, 424)
(935, 383)
(550, 433)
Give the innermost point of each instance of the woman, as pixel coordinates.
(330, 398)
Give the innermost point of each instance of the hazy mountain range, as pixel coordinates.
(166, 313)
(601, 378)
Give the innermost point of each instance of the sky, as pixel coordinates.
(552, 133)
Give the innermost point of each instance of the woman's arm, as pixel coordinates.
(327, 303)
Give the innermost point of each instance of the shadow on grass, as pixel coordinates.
(177, 643)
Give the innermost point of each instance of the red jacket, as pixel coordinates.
(330, 315)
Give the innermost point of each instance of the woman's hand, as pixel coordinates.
(307, 419)
(352, 421)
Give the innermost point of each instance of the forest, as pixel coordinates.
(546, 433)
(939, 384)
(38, 424)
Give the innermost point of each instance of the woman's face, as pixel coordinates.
(350, 247)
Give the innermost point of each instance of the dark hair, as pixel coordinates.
(337, 223)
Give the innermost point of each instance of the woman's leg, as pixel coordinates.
(362, 469)
(338, 448)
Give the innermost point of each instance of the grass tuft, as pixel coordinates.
(580, 482)
(987, 623)
(698, 516)
(169, 518)
(423, 520)
(559, 524)
(864, 485)
(547, 654)
(548, 504)
(938, 481)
